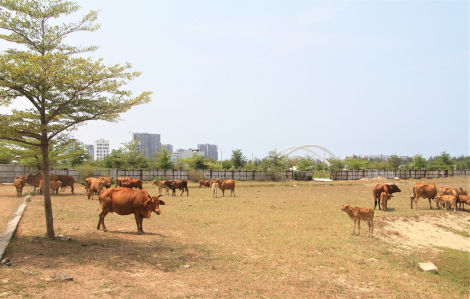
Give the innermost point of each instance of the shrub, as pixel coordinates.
(196, 175)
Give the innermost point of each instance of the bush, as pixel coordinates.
(159, 178)
(86, 171)
(196, 175)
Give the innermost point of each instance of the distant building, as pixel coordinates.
(183, 153)
(90, 150)
(208, 150)
(168, 147)
(149, 144)
(101, 149)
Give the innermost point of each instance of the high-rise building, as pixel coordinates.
(168, 147)
(149, 144)
(101, 149)
(208, 150)
(90, 151)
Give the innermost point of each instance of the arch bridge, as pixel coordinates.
(307, 147)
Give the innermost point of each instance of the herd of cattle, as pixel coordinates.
(447, 197)
(125, 200)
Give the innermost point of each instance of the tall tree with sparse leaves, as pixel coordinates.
(63, 89)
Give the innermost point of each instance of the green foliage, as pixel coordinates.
(227, 164)
(194, 162)
(163, 160)
(274, 161)
(442, 162)
(393, 162)
(306, 164)
(355, 164)
(336, 164)
(86, 171)
(238, 160)
(419, 162)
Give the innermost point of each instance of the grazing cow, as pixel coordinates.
(96, 186)
(181, 185)
(132, 183)
(464, 199)
(214, 186)
(384, 197)
(448, 200)
(160, 186)
(358, 214)
(53, 185)
(387, 188)
(19, 183)
(423, 190)
(125, 201)
(226, 185)
(107, 181)
(448, 191)
(205, 183)
(35, 179)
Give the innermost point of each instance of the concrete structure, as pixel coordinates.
(208, 150)
(183, 153)
(101, 149)
(149, 144)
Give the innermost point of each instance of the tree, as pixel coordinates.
(419, 162)
(355, 164)
(306, 164)
(164, 160)
(274, 161)
(442, 162)
(238, 160)
(336, 164)
(64, 91)
(394, 162)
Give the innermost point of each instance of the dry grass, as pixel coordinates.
(274, 240)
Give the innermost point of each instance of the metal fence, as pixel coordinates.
(391, 174)
(9, 172)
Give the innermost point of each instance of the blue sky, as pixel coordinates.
(356, 77)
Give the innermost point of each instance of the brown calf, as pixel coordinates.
(358, 214)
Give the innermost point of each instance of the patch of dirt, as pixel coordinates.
(449, 230)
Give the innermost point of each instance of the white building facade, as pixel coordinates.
(101, 149)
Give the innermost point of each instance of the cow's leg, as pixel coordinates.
(182, 192)
(71, 187)
(101, 220)
(359, 226)
(354, 230)
(430, 203)
(138, 221)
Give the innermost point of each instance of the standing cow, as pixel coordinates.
(423, 190)
(387, 188)
(226, 185)
(181, 185)
(19, 183)
(125, 201)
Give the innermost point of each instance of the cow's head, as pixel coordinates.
(59, 183)
(154, 202)
(346, 208)
(394, 188)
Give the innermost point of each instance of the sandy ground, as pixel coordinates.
(428, 231)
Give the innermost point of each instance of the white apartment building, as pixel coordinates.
(101, 148)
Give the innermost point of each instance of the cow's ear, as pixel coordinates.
(162, 202)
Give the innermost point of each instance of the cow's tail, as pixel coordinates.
(414, 193)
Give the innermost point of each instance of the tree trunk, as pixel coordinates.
(47, 190)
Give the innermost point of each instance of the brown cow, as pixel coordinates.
(19, 183)
(132, 183)
(35, 179)
(67, 180)
(384, 197)
(96, 186)
(464, 199)
(423, 190)
(125, 201)
(387, 188)
(181, 185)
(160, 186)
(107, 181)
(448, 191)
(448, 200)
(53, 185)
(205, 183)
(226, 185)
(358, 214)
(119, 180)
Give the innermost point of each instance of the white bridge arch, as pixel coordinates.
(290, 149)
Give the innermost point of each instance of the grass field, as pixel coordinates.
(273, 240)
